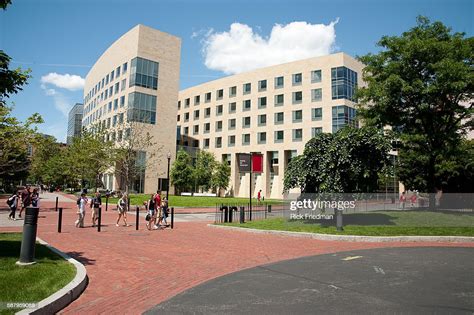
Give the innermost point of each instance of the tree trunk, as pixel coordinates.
(431, 185)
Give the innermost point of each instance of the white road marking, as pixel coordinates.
(351, 258)
(379, 270)
(333, 286)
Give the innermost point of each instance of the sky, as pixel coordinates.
(60, 40)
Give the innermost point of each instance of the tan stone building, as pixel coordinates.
(273, 111)
(134, 86)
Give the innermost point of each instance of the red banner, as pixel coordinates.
(257, 163)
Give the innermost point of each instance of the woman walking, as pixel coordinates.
(81, 210)
(35, 198)
(151, 213)
(122, 210)
(14, 202)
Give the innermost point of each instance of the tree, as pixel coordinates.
(220, 176)
(421, 84)
(45, 149)
(182, 172)
(348, 161)
(203, 169)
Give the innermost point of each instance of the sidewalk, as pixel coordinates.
(131, 271)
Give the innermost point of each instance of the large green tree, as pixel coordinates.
(347, 161)
(422, 84)
(220, 176)
(203, 169)
(181, 173)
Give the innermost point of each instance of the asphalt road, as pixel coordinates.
(425, 280)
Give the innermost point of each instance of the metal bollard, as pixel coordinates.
(56, 209)
(106, 203)
(137, 217)
(231, 214)
(60, 219)
(242, 215)
(172, 217)
(226, 214)
(28, 243)
(269, 208)
(339, 225)
(99, 223)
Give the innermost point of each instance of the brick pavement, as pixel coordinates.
(131, 271)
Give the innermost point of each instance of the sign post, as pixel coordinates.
(250, 163)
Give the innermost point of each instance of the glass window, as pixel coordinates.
(197, 100)
(297, 97)
(279, 136)
(142, 108)
(144, 73)
(116, 88)
(246, 122)
(342, 116)
(297, 134)
(124, 67)
(206, 143)
(196, 114)
(279, 118)
(246, 139)
(220, 94)
(219, 110)
(297, 116)
(208, 97)
(232, 91)
(262, 85)
(187, 102)
(117, 71)
(297, 78)
(343, 83)
(247, 88)
(232, 123)
(218, 142)
(316, 76)
(279, 82)
(262, 102)
(247, 105)
(207, 127)
(262, 137)
(218, 125)
(316, 95)
(316, 130)
(231, 141)
(106, 79)
(279, 100)
(186, 117)
(207, 112)
(317, 113)
(262, 120)
(112, 75)
(124, 84)
(232, 107)
(115, 104)
(195, 129)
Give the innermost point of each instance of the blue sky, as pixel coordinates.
(67, 36)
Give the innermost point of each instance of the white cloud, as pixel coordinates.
(241, 49)
(67, 81)
(61, 102)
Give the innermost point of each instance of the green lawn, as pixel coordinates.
(193, 202)
(380, 223)
(30, 284)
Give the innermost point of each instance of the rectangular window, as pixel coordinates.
(186, 130)
(186, 117)
(111, 89)
(343, 83)
(125, 67)
(112, 75)
(115, 104)
(262, 102)
(178, 117)
(144, 73)
(232, 107)
(114, 121)
(316, 95)
(262, 137)
(279, 136)
(121, 118)
(124, 84)
(232, 123)
(279, 100)
(246, 122)
(262, 120)
(207, 112)
(218, 142)
(195, 129)
(231, 141)
(316, 113)
(207, 127)
(117, 87)
(279, 118)
(141, 108)
(246, 139)
(219, 110)
(247, 88)
(179, 105)
(342, 116)
(187, 102)
(106, 79)
(219, 126)
(279, 82)
(262, 85)
(246, 105)
(117, 71)
(120, 135)
(106, 93)
(297, 116)
(196, 114)
(219, 94)
(316, 76)
(232, 91)
(297, 97)
(110, 107)
(297, 79)
(197, 100)
(208, 97)
(297, 135)
(316, 130)
(206, 143)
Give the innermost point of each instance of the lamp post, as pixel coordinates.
(168, 176)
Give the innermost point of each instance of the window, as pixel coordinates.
(124, 67)
(232, 91)
(246, 105)
(279, 118)
(197, 100)
(316, 113)
(231, 141)
(279, 82)
(262, 137)
(220, 94)
(186, 130)
(124, 84)
(111, 89)
(117, 71)
(247, 88)
(196, 114)
(316, 130)
(207, 127)
(316, 95)
(297, 134)
(207, 98)
(218, 142)
(219, 126)
(186, 117)
(297, 116)
(122, 101)
(219, 110)
(112, 75)
(206, 143)
(117, 87)
(246, 139)
(232, 107)
(187, 102)
(120, 118)
(141, 108)
(297, 97)
(106, 93)
(316, 76)
(246, 122)
(115, 104)
(343, 115)
(179, 105)
(262, 120)
(108, 122)
(195, 129)
(114, 121)
(297, 78)
(262, 102)
(343, 83)
(120, 135)
(279, 136)
(144, 73)
(279, 100)
(178, 117)
(110, 107)
(232, 123)
(262, 85)
(207, 112)
(106, 79)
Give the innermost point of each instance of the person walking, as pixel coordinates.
(403, 199)
(81, 210)
(151, 212)
(95, 204)
(25, 199)
(35, 198)
(158, 210)
(259, 196)
(122, 210)
(164, 210)
(14, 203)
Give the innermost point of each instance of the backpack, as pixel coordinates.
(11, 200)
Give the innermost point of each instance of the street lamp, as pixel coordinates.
(168, 176)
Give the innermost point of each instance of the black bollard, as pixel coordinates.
(106, 203)
(100, 219)
(137, 218)
(242, 215)
(172, 217)
(60, 219)
(56, 209)
(269, 208)
(28, 243)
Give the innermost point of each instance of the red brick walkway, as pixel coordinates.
(131, 271)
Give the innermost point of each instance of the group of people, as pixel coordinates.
(21, 200)
(157, 212)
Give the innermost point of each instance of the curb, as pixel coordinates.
(354, 238)
(60, 299)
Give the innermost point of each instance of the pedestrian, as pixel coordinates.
(259, 196)
(158, 210)
(122, 210)
(25, 199)
(81, 210)
(35, 198)
(413, 200)
(14, 203)
(151, 212)
(96, 202)
(164, 210)
(403, 200)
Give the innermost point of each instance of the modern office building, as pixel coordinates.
(132, 91)
(74, 125)
(273, 111)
